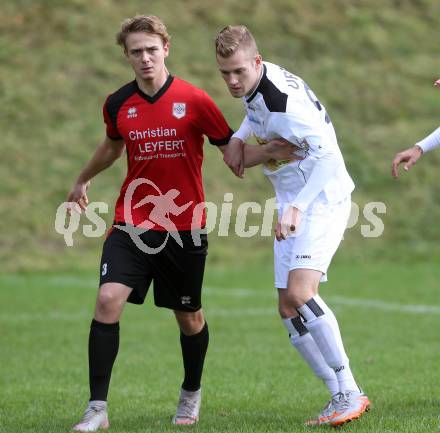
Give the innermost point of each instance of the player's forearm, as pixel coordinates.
(324, 169)
(255, 154)
(430, 142)
(104, 156)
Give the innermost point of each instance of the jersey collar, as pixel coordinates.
(262, 78)
(159, 93)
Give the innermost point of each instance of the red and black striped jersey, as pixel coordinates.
(164, 137)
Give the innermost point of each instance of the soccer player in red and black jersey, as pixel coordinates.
(160, 121)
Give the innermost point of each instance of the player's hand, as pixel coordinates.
(289, 223)
(409, 156)
(234, 156)
(78, 195)
(437, 83)
(281, 149)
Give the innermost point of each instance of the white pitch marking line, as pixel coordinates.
(373, 304)
(212, 292)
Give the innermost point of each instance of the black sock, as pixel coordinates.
(193, 351)
(103, 348)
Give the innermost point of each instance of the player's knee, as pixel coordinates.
(288, 306)
(298, 300)
(190, 323)
(108, 299)
(299, 296)
(287, 311)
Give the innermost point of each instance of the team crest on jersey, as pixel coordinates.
(131, 113)
(179, 110)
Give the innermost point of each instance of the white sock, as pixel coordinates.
(304, 343)
(324, 328)
(98, 404)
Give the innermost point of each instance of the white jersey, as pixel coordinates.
(284, 106)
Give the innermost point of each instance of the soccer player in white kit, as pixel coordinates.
(412, 155)
(314, 199)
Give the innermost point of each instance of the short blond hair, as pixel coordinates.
(142, 23)
(232, 38)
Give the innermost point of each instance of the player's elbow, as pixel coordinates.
(222, 150)
(119, 152)
(114, 152)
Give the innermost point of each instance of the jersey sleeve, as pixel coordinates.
(303, 126)
(430, 142)
(212, 123)
(111, 128)
(245, 130)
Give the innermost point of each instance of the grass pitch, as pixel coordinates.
(253, 382)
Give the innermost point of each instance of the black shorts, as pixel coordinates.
(176, 271)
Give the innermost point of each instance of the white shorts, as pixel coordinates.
(321, 232)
